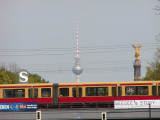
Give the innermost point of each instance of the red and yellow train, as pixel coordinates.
(50, 93)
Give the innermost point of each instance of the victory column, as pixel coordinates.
(137, 63)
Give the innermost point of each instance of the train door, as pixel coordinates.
(55, 93)
(77, 92)
(33, 93)
(116, 91)
(155, 90)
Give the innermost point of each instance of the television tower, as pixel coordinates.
(77, 69)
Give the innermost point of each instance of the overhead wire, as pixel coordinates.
(73, 48)
(83, 50)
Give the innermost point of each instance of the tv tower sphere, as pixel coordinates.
(77, 69)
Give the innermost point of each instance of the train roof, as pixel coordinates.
(81, 83)
(29, 84)
(123, 82)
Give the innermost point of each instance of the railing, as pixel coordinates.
(73, 105)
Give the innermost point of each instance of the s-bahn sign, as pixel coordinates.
(23, 77)
(128, 104)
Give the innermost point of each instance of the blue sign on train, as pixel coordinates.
(18, 106)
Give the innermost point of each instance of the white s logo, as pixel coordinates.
(23, 76)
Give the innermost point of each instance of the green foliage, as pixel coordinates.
(35, 78)
(153, 71)
(4, 78)
(13, 76)
(8, 77)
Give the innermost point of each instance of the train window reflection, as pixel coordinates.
(136, 90)
(45, 92)
(97, 91)
(13, 93)
(64, 92)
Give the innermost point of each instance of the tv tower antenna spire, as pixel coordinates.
(77, 28)
(77, 69)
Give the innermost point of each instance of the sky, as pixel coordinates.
(40, 36)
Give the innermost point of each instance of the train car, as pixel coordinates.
(15, 93)
(54, 93)
(108, 91)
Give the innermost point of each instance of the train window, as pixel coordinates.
(80, 92)
(30, 93)
(102, 91)
(14, 93)
(119, 91)
(158, 90)
(136, 90)
(64, 92)
(36, 92)
(74, 92)
(97, 91)
(18, 93)
(154, 90)
(114, 91)
(45, 92)
(90, 91)
(8, 93)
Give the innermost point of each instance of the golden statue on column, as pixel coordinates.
(137, 54)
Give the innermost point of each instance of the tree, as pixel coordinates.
(35, 78)
(11, 76)
(4, 78)
(153, 70)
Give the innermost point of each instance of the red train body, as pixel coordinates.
(50, 93)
